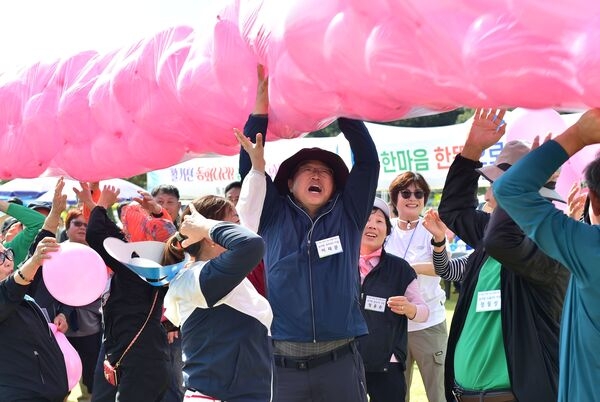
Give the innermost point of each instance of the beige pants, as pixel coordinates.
(427, 348)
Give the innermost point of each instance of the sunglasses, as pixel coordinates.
(79, 224)
(407, 193)
(7, 254)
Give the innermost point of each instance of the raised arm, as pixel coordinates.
(507, 243)
(361, 185)
(257, 122)
(458, 206)
(517, 191)
(244, 249)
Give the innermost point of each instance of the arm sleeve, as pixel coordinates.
(359, 193)
(244, 250)
(32, 222)
(449, 269)
(252, 199)
(413, 294)
(573, 243)
(458, 206)
(507, 243)
(254, 125)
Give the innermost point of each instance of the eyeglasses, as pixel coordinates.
(79, 224)
(407, 193)
(321, 172)
(7, 254)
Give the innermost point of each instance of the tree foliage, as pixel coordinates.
(435, 120)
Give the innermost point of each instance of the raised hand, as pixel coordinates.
(261, 104)
(588, 127)
(59, 204)
(84, 195)
(487, 129)
(576, 201)
(108, 196)
(255, 151)
(434, 225)
(59, 200)
(147, 202)
(195, 227)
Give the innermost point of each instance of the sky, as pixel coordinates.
(45, 30)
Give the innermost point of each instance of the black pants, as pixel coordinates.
(140, 381)
(387, 386)
(341, 380)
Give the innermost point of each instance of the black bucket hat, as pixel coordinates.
(288, 167)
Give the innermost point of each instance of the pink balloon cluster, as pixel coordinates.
(180, 92)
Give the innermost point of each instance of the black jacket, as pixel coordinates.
(387, 330)
(32, 366)
(39, 291)
(532, 286)
(129, 302)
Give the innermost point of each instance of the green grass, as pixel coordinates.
(417, 391)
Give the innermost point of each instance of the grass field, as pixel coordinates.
(417, 392)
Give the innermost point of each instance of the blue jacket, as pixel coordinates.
(317, 299)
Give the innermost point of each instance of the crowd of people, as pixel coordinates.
(308, 287)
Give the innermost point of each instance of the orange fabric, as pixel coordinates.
(138, 225)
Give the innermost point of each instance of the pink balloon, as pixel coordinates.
(568, 176)
(232, 64)
(554, 19)
(72, 358)
(587, 60)
(531, 123)
(69, 68)
(75, 275)
(581, 159)
(507, 62)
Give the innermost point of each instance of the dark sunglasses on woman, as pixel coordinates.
(79, 224)
(407, 193)
(7, 254)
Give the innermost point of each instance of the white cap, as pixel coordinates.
(381, 204)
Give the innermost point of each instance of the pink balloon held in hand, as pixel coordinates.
(72, 359)
(75, 275)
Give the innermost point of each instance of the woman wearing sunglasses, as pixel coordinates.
(411, 241)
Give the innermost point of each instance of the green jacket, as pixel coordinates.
(32, 223)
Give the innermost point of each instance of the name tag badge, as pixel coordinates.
(330, 246)
(488, 300)
(375, 303)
